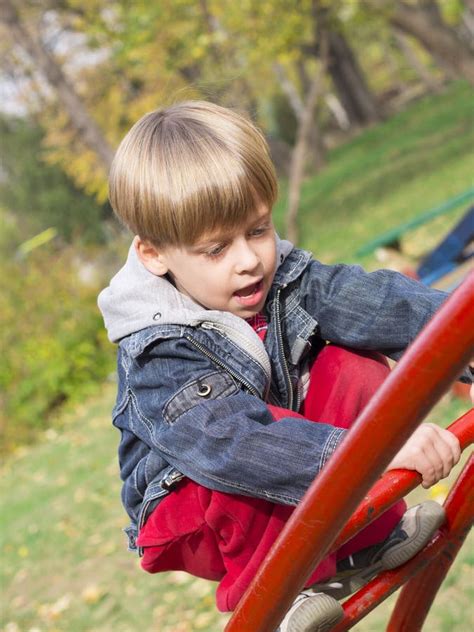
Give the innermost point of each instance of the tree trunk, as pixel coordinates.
(425, 23)
(346, 74)
(317, 148)
(350, 83)
(84, 124)
(338, 112)
(315, 145)
(305, 124)
(414, 62)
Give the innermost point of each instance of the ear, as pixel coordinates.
(152, 259)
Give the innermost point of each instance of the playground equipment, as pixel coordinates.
(392, 237)
(350, 485)
(453, 251)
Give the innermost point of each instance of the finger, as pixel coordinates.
(449, 441)
(436, 452)
(426, 468)
(454, 445)
(443, 457)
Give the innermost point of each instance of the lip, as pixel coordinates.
(252, 299)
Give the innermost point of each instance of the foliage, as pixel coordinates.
(125, 59)
(40, 194)
(54, 345)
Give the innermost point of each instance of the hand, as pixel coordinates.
(431, 451)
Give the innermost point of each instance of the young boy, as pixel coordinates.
(232, 344)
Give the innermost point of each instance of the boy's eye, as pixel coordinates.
(215, 251)
(260, 230)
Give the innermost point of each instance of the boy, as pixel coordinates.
(224, 364)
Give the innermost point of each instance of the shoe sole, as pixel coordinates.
(429, 517)
(315, 615)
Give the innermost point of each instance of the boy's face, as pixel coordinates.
(231, 272)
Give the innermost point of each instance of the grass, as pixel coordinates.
(64, 561)
(388, 175)
(64, 564)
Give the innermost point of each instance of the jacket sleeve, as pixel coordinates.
(226, 440)
(382, 310)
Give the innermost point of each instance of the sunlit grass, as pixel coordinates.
(388, 175)
(64, 561)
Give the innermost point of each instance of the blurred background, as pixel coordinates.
(367, 107)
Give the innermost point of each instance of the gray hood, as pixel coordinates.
(137, 299)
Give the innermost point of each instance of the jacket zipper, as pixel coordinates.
(231, 332)
(298, 396)
(216, 360)
(282, 349)
(166, 484)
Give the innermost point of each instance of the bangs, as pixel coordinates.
(223, 202)
(196, 168)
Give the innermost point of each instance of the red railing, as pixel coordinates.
(427, 369)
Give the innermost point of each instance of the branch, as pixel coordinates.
(80, 118)
(299, 152)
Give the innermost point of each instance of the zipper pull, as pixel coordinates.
(172, 479)
(208, 325)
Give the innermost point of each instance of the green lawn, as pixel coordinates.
(64, 564)
(389, 175)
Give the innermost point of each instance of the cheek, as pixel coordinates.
(271, 257)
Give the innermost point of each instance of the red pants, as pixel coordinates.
(225, 537)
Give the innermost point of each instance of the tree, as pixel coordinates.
(343, 67)
(41, 195)
(81, 119)
(410, 54)
(299, 150)
(119, 60)
(423, 20)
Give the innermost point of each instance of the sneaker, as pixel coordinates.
(312, 612)
(410, 535)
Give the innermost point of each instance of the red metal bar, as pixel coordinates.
(397, 484)
(427, 369)
(418, 594)
(424, 572)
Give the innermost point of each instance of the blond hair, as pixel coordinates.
(190, 169)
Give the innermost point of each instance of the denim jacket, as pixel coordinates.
(193, 383)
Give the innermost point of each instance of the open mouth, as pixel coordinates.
(249, 290)
(250, 295)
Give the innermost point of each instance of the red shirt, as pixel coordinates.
(259, 324)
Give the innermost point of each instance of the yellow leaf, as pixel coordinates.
(92, 593)
(439, 492)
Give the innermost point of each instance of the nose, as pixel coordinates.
(246, 259)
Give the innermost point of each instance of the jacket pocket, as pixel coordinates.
(213, 385)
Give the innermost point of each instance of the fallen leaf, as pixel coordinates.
(92, 593)
(439, 492)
